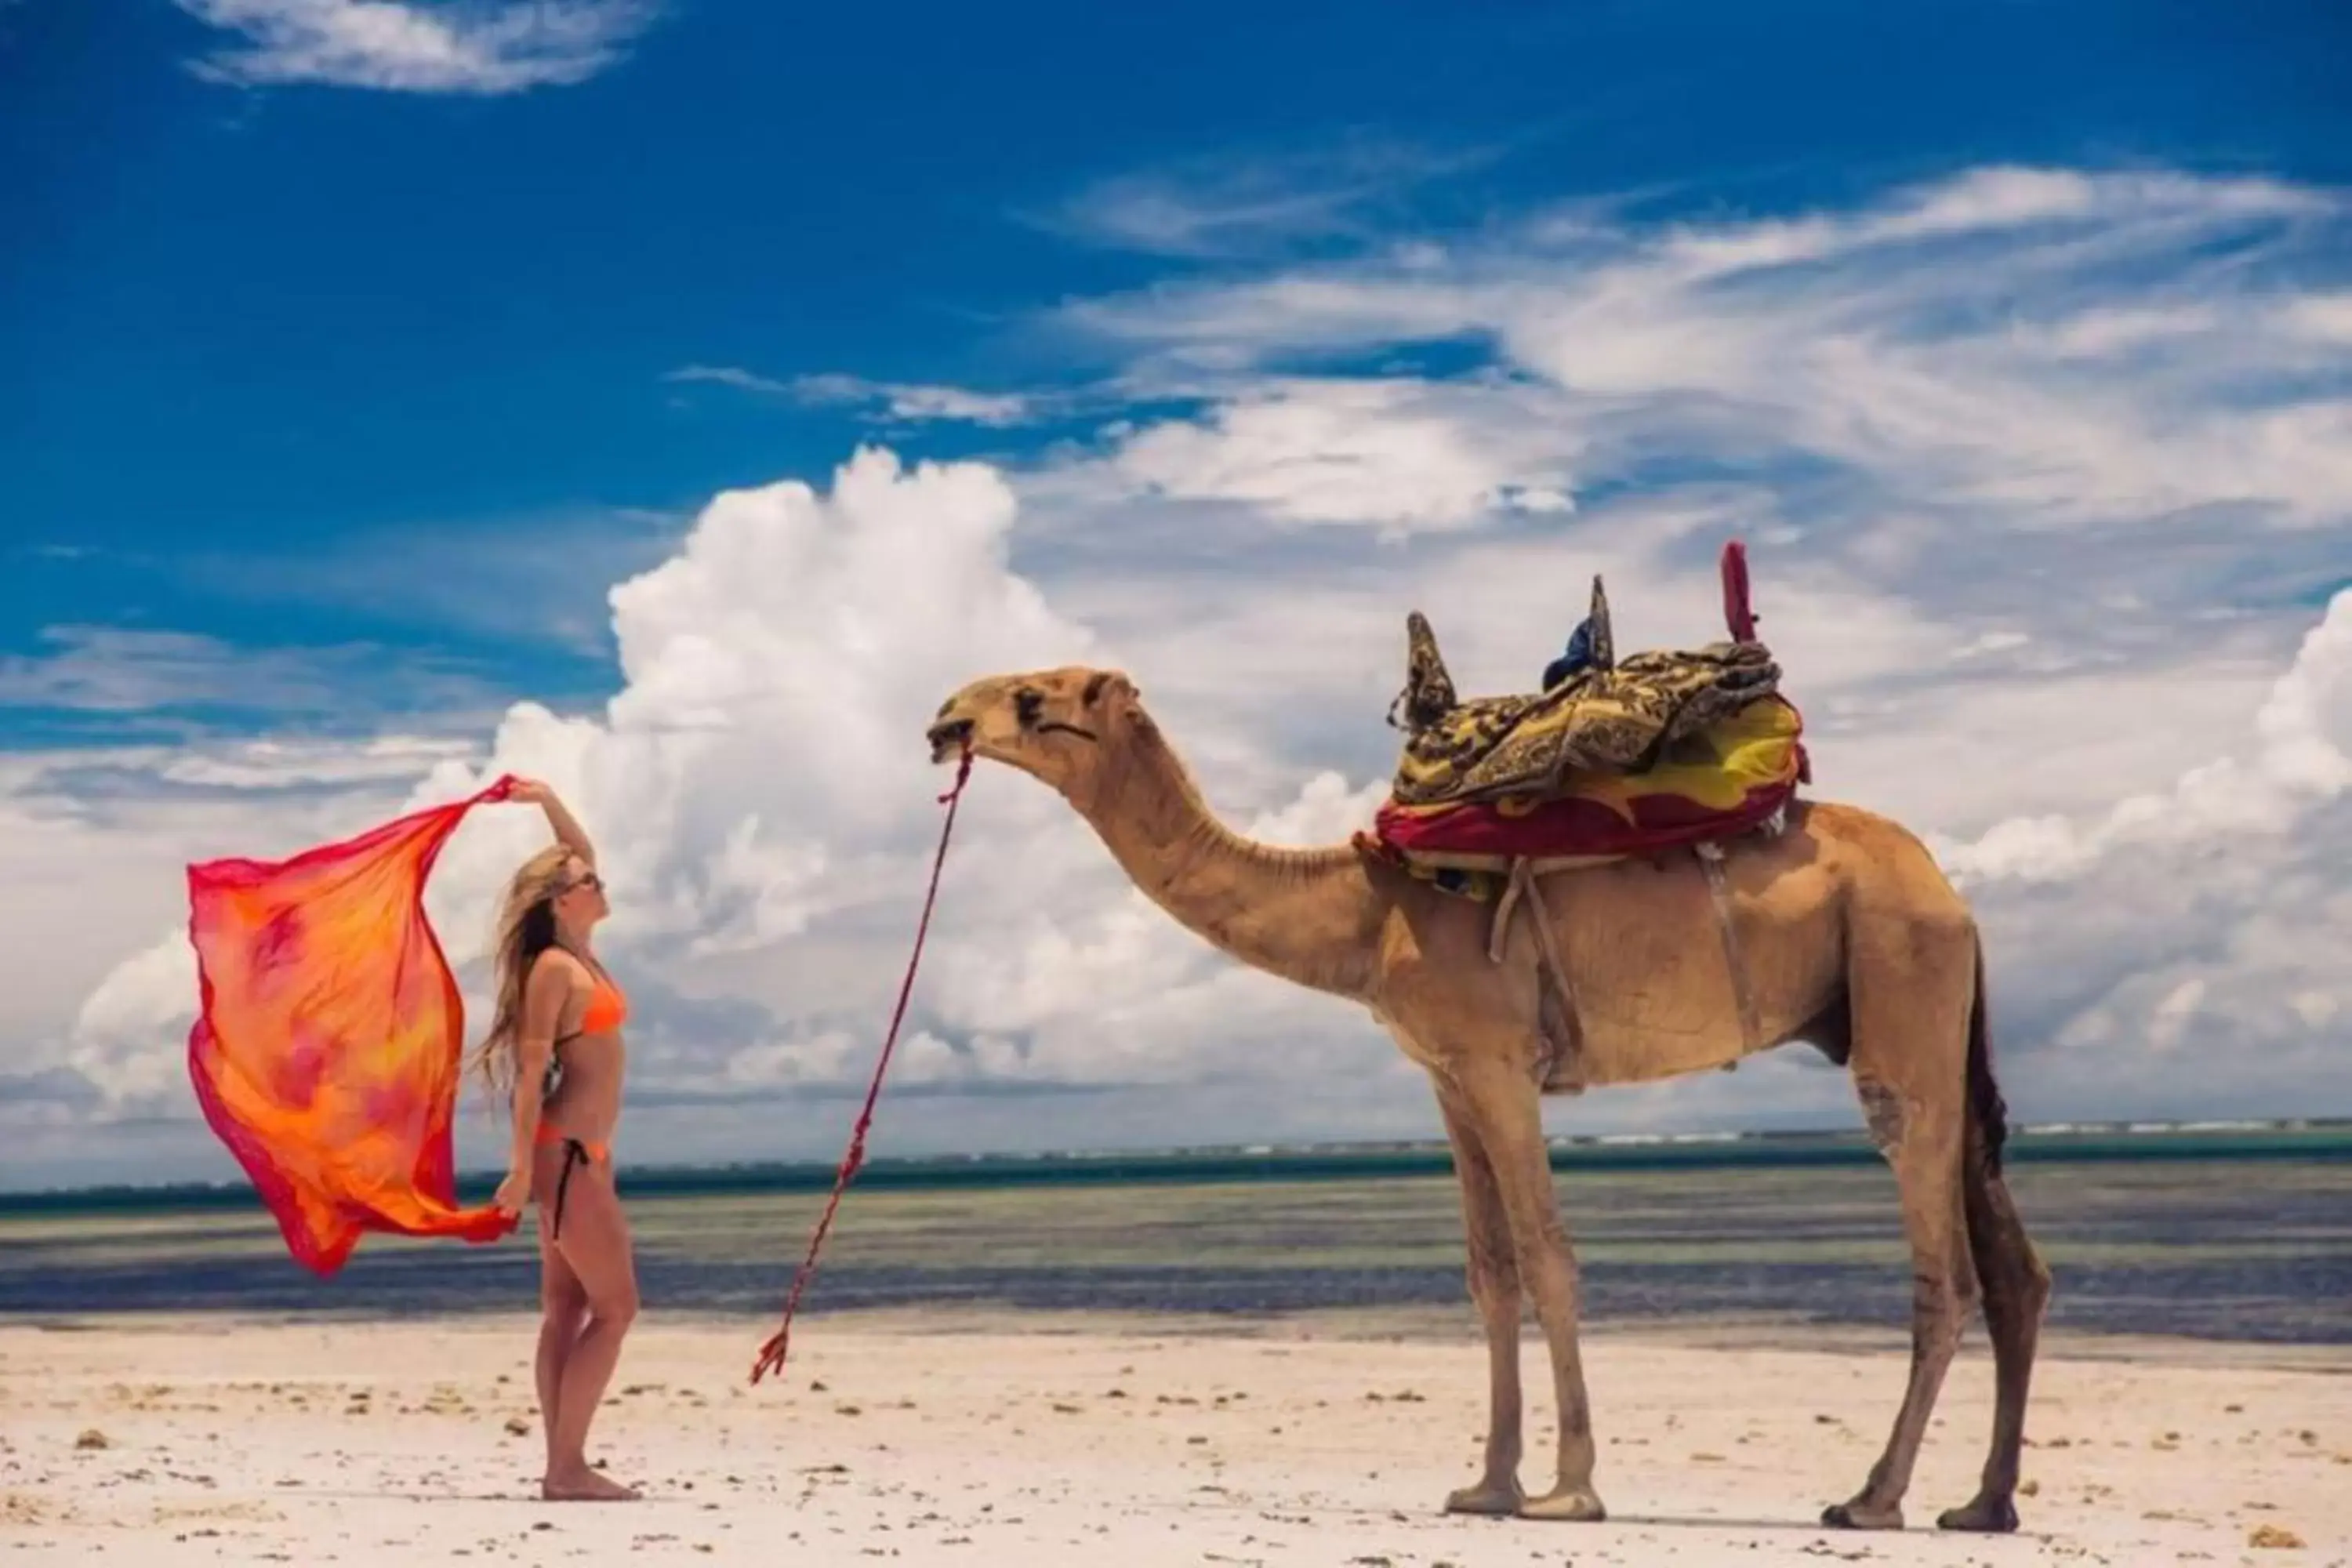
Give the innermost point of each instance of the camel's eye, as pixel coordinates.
(1028, 704)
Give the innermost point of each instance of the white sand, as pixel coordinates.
(1040, 1442)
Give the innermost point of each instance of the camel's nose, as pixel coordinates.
(949, 732)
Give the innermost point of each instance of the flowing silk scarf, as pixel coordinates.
(327, 1044)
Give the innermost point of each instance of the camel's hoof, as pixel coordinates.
(1985, 1516)
(1860, 1515)
(1489, 1501)
(1576, 1505)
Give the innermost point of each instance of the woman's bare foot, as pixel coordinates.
(584, 1484)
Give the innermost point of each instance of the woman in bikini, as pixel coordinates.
(554, 1053)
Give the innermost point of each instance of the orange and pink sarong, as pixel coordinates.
(329, 1041)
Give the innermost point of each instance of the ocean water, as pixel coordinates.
(2241, 1235)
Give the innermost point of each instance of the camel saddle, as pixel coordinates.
(1669, 749)
(1610, 717)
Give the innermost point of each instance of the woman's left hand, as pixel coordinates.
(530, 791)
(513, 1193)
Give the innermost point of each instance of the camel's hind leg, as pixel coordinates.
(2016, 1286)
(1910, 994)
(2016, 1292)
(1495, 1287)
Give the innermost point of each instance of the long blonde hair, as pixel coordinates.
(526, 928)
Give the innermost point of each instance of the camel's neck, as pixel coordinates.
(1310, 915)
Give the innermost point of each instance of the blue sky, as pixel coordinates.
(354, 357)
(282, 318)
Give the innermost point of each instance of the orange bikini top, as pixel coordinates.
(607, 1009)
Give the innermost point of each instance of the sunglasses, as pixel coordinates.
(585, 879)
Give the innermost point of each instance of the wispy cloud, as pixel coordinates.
(2054, 349)
(731, 375)
(114, 671)
(903, 402)
(1393, 455)
(1225, 206)
(482, 47)
(530, 581)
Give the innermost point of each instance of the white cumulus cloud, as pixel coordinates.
(2300, 762)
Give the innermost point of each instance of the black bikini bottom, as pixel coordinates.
(575, 1152)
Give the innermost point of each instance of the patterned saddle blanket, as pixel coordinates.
(1730, 778)
(1610, 717)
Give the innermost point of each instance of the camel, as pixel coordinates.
(1849, 937)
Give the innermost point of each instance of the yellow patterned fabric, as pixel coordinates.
(1628, 719)
(1719, 767)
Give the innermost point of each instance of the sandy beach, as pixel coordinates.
(1046, 1440)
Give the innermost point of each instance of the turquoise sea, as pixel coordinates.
(2230, 1232)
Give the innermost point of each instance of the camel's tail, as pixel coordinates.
(1988, 1113)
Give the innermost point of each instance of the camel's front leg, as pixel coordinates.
(1505, 1117)
(1495, 1287)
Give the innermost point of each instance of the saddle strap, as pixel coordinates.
(1710, 859)
(1523, 884)
(1500, 930)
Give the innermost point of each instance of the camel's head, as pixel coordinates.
(1061, 725)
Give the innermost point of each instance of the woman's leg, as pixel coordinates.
(595, 1244)
(563, 1302)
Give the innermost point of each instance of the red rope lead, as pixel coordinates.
(772, 1354)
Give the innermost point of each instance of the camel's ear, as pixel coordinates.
(1104, 680)
(1114, 693)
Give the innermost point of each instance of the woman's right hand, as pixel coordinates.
(513, 1193)
(530, 792)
